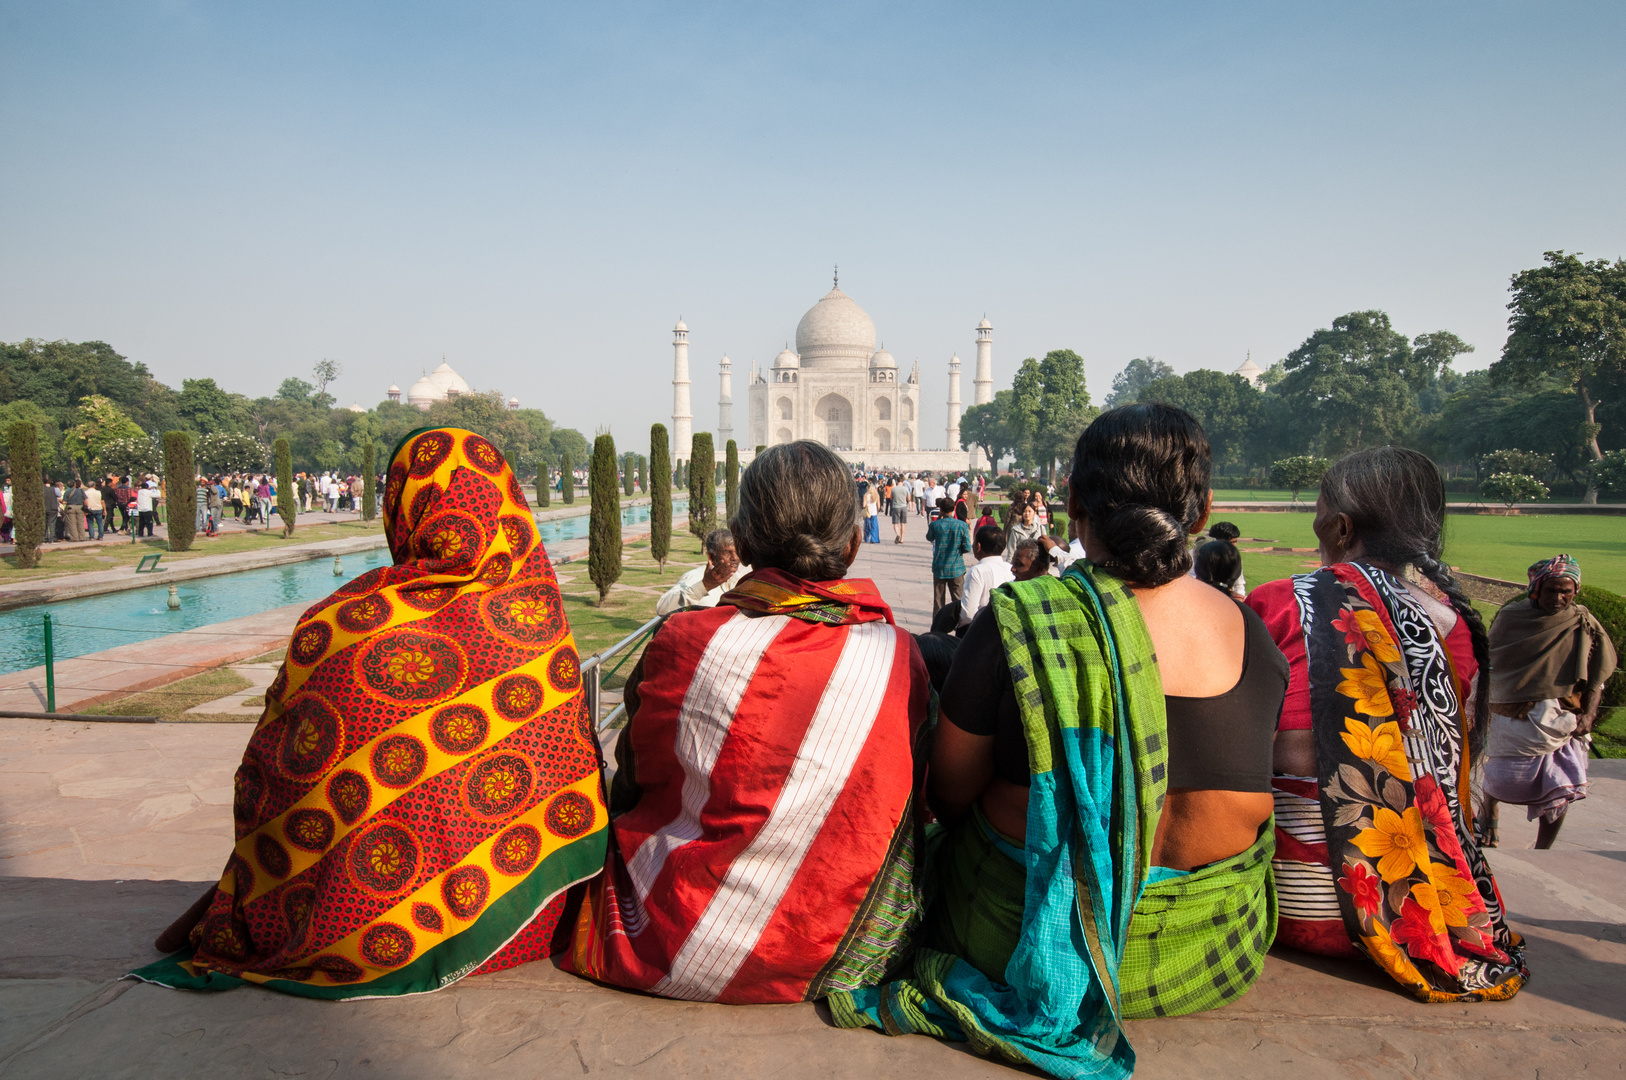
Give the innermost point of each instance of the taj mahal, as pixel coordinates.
(837, 388)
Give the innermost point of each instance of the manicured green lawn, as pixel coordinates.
(1491, 545)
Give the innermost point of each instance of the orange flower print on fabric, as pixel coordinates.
(1366, 686)
(1449, 894)
(1364, 629)
(1396, 841)
(1381, 947)
(1382, 745)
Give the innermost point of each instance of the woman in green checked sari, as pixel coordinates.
(1107, 845)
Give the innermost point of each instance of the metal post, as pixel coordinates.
(50, 669)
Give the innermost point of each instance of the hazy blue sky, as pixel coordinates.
(239, 190)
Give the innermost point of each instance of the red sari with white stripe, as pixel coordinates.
(769, 856)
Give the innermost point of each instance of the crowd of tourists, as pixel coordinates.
(1099, 792)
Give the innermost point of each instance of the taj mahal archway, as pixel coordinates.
(836, 413)
(883, 439)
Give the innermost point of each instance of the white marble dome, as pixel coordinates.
(882, 359)
(787, 359)
(423, 393)
(835, 333)
(447, 381)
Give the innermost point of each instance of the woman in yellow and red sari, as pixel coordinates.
(424, 784)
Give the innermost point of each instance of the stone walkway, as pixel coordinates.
(108, 831)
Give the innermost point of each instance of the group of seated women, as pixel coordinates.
(1130, 785)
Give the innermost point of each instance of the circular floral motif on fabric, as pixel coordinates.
(278, 685)
(498, 785)
(398, 760)
(482, 455)
(249, 789)
(310, 643)
(458, 729)
(464, 891)
(497, 570)
(312, 734)
(309, 829)
(393, 487)
(570, 815)
(451, 536)
(350, 795)
(428, 452)
(564, 671)
(242, 877)
(293, 974)
(423, 502)
(431, 599)
(297, 904)
(272, 856)
(531, 614)
(387, 945)
(518, 532)
(223, 937)
(516, 850)
(384, 858)
(337, 968)
(427, 917)
(364, 615)
(517, 493)
(412, 666)
(517, 697)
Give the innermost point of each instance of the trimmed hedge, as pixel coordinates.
(369, 483)
(604, 519)
(287, 503)
(27, 493)
(180, 490)
(1609, 609)
(543, 482)
(567, 479)
(702, 486)
(660, 496)
(731, 480)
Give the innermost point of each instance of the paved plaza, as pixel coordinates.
(107, 832)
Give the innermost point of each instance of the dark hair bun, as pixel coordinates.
(1140, 474)
(1152, 543)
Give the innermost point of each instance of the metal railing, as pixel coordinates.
(593, 672)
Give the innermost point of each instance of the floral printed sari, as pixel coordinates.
(1415, 892)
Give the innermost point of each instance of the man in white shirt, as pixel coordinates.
(953, 491)
(988, 573)
(705, 585)
(919, 487)
(937, 492)
(146, 499)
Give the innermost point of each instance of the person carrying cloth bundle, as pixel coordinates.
(1549, 661)
(767, 820)
(1386, 701)
(424, 784)
(1107, 846)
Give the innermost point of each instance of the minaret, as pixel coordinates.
(954, 403)
(682, 418)
(725, 400)
(982, 387)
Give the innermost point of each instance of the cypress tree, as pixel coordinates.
(604, 521)
(660, 496)
(180, 490)
(643, 474)
(544, 483)
(567, 479)
(682, 475)
(287, 504)
(702, 486)
(717, 476)
(731, 480)
(28, 494)
(760, 449)
(629, 465)
(369, 483)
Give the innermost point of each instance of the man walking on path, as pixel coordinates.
(73, 511)
(146, 498)
(53, 506)
(900, 508)
(951, 540)
(990, 572)
(919, 487)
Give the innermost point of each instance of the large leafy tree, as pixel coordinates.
(1229, 408)
(205, 407)
(1050, 406)
(96, 422)
(987, 426)
(1357, 383)
(1136, 376)
(47, 436)
(1568, 325)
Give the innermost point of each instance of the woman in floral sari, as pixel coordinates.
(1386, 699)
(423, 784)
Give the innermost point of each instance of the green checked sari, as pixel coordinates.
(1037, 952)
(1092, 706)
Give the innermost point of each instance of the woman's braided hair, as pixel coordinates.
(1395, 499)
(797, 511)
(1140, 474)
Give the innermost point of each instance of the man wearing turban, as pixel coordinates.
(1550, 659)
